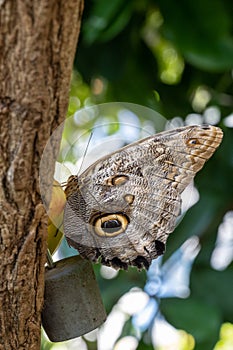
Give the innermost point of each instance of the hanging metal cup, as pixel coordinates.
(73, 305)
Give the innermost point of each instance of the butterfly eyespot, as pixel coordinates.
(129, 198)
(110, 225)
(117, 180)
(192, 142)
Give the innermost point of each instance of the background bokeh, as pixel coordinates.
(176, 58)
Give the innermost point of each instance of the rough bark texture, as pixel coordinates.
(37, 46)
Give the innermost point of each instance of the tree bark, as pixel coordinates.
(37, 46)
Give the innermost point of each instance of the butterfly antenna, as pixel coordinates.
(85, 152)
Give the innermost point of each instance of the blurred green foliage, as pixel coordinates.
(158, 53)
(175, 57)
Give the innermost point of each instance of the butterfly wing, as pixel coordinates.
(122, 208)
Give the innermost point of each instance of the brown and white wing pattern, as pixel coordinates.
(121, 210)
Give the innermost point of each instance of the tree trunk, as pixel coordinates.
(37, 46)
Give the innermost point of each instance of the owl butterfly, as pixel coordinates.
(122, 209)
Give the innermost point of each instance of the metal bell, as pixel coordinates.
(72, 301)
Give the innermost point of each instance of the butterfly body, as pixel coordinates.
(123, 207)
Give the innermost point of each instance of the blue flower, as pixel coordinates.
(170, 279)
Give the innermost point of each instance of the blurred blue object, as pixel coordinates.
(143, 319)
(170, 279)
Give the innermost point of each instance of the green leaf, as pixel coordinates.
(107, 19)
(214, 288)
(201, 30)
(144, 346)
